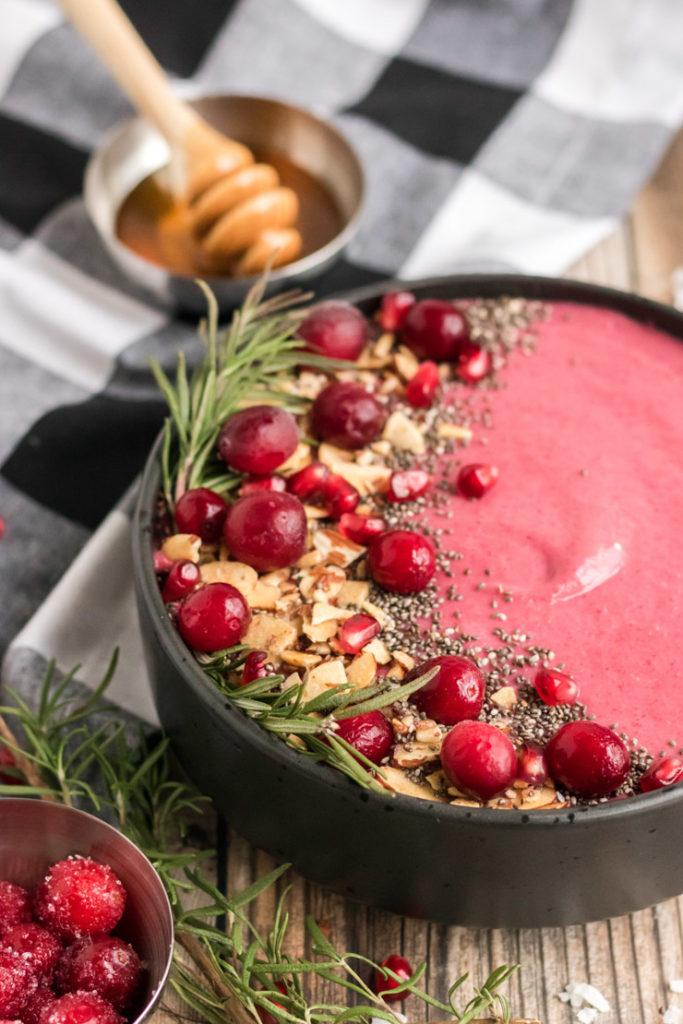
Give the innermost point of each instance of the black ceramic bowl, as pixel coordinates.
(485, 868)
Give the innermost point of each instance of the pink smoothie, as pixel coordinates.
(585, 526)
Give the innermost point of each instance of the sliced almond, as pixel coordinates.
(383, 345)
(237, 574)
(336, 547)
(379, 651)
(382, 448)
(396, 671)
(437, 780)
(324, 676)
(323, 583)
(414, 755)
(427, 731)
(403, 434)
(406, 363)
(362, 670)
(506, 697)
(287, 603)
(313, 512)
(300, 659)
(402, 657)
(463, 801)
(353, 592)
(300, 457)
(263, 596)
(390, 383)
(322, 612)
(536, 797)
(271, 634)
(398, 782)
(366, 479)
(276, 578)
(376, 612)
(182, 547)
(310, 559)
(403, 726)
(453, 430)
(330, 455)
(320, 632)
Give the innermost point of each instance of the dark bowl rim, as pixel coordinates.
(647, 311)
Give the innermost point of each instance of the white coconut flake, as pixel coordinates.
(676, 984)
(576, 993)
(672, 1015)
(587, 1015)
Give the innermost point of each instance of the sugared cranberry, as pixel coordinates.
(258, 439)
(7, 760)
(394, 309)
(436, 330)
(401, 561)
(256, 666)
(473, 363)
(455, 693)
(361, 529)
(339, 495)
(35, 1007)
(588, 759)
(201, 511)
(384, 985)
(214, 617)
(17, 983)
(479, 759)
(408, 484)
(555, 687)
(273, 482)
(80, 1008)
(307, 484)
(356, 632)
(532, 767)
(336, 330)
(476, 479)
(423, 385)
(183, 578)
(37, 947)
(347, 415)
(15, 906)
(665, 771)
(266, 530)
(79, 896)
(103, 964)
(370, 734)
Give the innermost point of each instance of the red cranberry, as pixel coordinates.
(356, 632)
(479, 759)
(258, 439)
(436, 330)
(370, 734)
(79, 896)
(37, 947)
(473, 363)
(456, 691)
(35, 1007)
(475, 479)
(262, 483)
(347, 415)
(256, 666)
(183, 578)
(394, 309)
(8, 778)
(423, 385)
(265, 1017)
(162, 563)
(665, 771)
(587, 759)
(213, 617)
(308, 483)
(102, 964)
(17, 983)
(361, 529)
(401, 561)
(408, 484)
(266, 530)
(384, 985)
(532, 767)
(340, 496)
(555, 687)
(201, 511)
(335, 329)
(15, 906)
(80, 1008)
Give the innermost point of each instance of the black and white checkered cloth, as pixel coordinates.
(494, 133)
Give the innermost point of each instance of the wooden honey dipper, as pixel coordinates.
(243, 219)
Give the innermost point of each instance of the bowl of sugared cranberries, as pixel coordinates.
(86, 930)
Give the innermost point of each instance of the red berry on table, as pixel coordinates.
(555, 687)
(8, 778)
(532, 767)
(394, 309)
(408, 484)
(347, 415)
(103, 964)
(201, 511)
(183, 577)
(370, 734)
(258, 439)
(455, 693)
(401, 561)
(384, 985)
(80, 1008)
(336, 330)
(35, 1007)
(361, 529)
(476, 479)
(307, 484)
(357, 631)
(663, 772)
(587, 759)
(265, 1017)
(339, 496)
(79, 896)
(17, 983)
(39, 949)
(256, 666)
(15, 905)
(423, 385)
(473, 363)
(212, 618)
(267, 530)
(479, 759)
(273, 482)
(435, 329)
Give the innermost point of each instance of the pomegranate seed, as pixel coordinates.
(394, 309)
(258, 439)
(273, 482)
(479, 759)
(475, 479)
(361, 529)
(335, 329)
(15, 905)
(213, 617)
(384, 985)
(267, 530)
(308, 483)
(401, 561)
(423, 385)
(588, 759)
(35, 1007)
(435, 329)
(340, 496)
(267, 1018)
(408, 484)
(8, 778)
(256, 666)
(473, 363)
(665, 771)
(455, 693)
(356, 632)
(555, 687)
(2, 527)
(36, 946)
(184, 577)
(370, 734)
(201, 511)
(102, 964)
(80, 1008)
(162, 563)
(80, 896)
(531, 765)
(347, 415)
(17, 983)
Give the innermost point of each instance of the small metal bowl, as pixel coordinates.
(134, 150)
(34, 835)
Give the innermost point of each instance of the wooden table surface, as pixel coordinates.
(630, 959)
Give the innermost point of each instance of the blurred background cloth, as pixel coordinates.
(495, 134)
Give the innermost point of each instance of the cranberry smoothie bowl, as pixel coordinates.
(408, 579)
